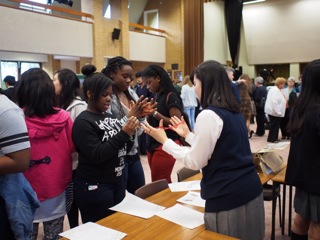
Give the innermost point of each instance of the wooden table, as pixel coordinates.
(264, 178)
(274, 198)
(158, 228)
(278, 179)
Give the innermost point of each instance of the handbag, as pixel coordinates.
(253, 108)
(261, 103)
(268, 162)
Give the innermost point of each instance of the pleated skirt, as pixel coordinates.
(307, 205)
(246, 222)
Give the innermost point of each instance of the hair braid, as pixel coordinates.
(114, 64)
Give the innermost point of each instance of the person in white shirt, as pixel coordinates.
(275, 108)
(230, 184)
(189, 99)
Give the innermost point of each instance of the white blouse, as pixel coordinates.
(275, 103)
(208, 128)
(188, 96)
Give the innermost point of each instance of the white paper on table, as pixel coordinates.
(136, 206)
(92, 230)
(183, 216)
(193, 198)
(184, 186)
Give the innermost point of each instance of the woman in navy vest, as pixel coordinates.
(220, 147)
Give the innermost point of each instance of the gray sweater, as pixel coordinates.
(119, 111)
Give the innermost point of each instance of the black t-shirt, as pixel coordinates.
(102, 146)
(163, 107)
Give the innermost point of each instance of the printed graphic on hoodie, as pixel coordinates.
(111, 127)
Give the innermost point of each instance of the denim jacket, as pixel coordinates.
(21, 203)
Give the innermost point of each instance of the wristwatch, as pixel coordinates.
(154, 114)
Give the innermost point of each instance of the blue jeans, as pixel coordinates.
(133, 173)
(94, 199)
(190, 111)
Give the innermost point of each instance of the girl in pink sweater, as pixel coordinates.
(50, 167)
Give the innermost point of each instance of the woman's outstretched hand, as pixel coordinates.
(179, 126)
(157, 133)
(142, 107)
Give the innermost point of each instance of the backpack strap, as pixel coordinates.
(167, 98)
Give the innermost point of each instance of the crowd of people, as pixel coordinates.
(76, 147)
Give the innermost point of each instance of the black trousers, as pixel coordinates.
(73, 214)
(5, 229)
(284, 124)
(274, 128)
(143, 143)
(260, 118)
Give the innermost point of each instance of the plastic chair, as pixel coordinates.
(151, 188)
(184, 173)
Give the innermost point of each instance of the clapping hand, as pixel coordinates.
(179, 126)
(150, 108)
(131, 125)
(136, 109)
(142, 107)
(157, 133)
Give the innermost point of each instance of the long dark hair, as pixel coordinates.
(165, 81)
(308, 98)
(35, 93)
(70, 87)
(216, 86)
(94, 82)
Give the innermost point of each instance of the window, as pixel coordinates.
(106, 9)
(107, 14)
(16, 68)
(36, 8)
(8, 68)
(27, 65)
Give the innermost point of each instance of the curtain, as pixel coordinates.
(233, 15)
(193, 34)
